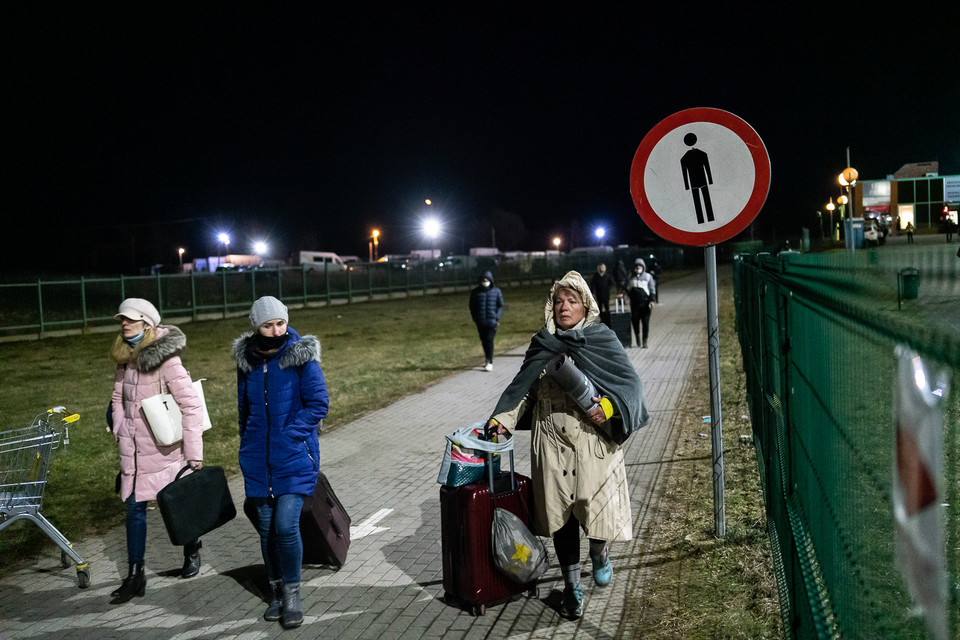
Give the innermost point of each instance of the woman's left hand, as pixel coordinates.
(196, 465)
(596, 414)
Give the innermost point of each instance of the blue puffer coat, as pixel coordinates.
(486, 305)
(281, 399)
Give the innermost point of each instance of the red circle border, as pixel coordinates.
(758, 196)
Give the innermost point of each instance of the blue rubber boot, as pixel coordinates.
(571, 607)
(602, 568)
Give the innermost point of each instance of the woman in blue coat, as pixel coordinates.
(281, 399)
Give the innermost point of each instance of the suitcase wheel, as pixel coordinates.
(479, 610)
(534, 592)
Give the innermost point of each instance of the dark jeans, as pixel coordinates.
(604, 305)
(136, 530)
(137, 533)
(486, 339)
(640, 316)
(278, 521)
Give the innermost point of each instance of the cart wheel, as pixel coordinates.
(480, 610)
(64, 560)
(83, 577)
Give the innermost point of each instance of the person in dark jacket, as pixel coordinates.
(600, 285)
(281, 399)
(486, 308)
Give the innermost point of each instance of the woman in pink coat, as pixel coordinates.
(148, 362)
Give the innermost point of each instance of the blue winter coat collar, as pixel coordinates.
(296, 352)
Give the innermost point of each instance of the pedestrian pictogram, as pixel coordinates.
(700, 177)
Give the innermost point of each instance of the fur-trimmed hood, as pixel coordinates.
(168, 341)
(297, 351)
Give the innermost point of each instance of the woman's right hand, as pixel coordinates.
(493, 427)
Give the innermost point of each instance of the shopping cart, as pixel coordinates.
(24, 463)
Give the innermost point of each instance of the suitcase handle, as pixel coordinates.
(619, 306)
(488, 463)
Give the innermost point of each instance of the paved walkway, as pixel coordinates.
(383, 467)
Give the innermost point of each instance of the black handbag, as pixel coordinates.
(195, 504)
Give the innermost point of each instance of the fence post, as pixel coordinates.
(193, 292)
(223, 290)
(159, 296)
(83, 303)
(40, 304)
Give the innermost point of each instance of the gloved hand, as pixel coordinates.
(494, 428)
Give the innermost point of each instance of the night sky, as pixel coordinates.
(131, 129)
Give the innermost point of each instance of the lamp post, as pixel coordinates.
(600, 233)
(556, 243)
(180, 253)
(373, 244)
(830, 208)
(431, 229)
(222, 239)
(847, 179)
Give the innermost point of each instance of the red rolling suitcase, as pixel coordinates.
(470, 577)
(324, 526)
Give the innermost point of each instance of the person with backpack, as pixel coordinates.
(642, 292)
(281, 399)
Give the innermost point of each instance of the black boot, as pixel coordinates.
(134, 584)
(275, 608)
(291, 616)
(191, 560)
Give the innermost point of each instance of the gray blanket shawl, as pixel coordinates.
(599, 355)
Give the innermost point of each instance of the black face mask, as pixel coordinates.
(269, 343)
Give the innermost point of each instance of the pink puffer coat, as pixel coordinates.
(146, 466)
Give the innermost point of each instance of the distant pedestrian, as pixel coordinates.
(486, 308)
(281, 399)
(147, 354)
(909, 230)
(642, 292)
(951, 228)
(579, 481)
(600, 285)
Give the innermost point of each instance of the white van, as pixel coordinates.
(322, 260)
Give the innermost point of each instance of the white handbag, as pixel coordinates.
(163, 415)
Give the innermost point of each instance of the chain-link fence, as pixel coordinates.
(825, 341)
(46, 307)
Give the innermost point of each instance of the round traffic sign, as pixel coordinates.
(700, 177)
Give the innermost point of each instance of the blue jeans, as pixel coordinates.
(136, 530)
(278, 521)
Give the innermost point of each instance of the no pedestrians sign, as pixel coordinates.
(700, 177)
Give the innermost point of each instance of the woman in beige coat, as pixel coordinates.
(579, 480)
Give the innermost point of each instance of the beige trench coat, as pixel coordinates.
(576, 471)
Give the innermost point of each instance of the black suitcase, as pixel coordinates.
(195, 504)
(620, 323)
(470, 576)
(324, 527)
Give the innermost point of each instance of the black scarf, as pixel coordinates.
(599, 355)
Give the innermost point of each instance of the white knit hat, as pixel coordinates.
(267, 308)
(138, 309)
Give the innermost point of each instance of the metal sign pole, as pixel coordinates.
(716, 420)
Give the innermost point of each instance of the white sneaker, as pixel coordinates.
(488, 366)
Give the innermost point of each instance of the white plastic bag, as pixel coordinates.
(517, 553)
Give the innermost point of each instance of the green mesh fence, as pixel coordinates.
(818, 335)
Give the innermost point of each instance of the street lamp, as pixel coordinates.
(180, 252)
(600, 232)
(830, 208)
(223, 239)
(431, 229)
(373, 245)
(848, 179)
(556, 243)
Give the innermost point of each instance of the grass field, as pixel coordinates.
(701, 586)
